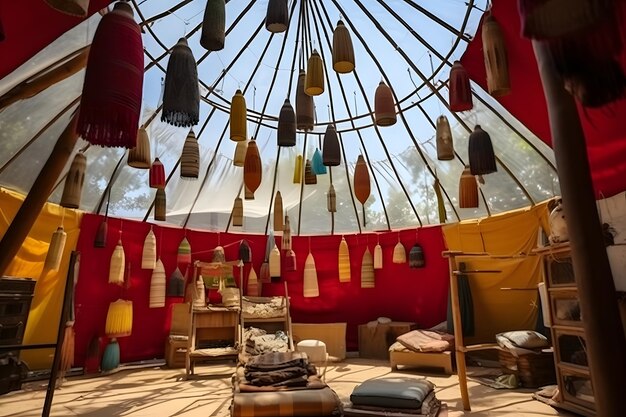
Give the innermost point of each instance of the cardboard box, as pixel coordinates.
(332, 334)
(374, 340)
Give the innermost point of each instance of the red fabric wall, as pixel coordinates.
(401, 293)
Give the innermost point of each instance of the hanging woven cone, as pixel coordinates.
(416, 257)
(309, 175)
(245, 253)
(480, 150)
(278, 212)
(240, 153)
(74, 181)
(274, 262)
(181, 95)
(119, 321)
(237, 213)
(190, 158)
(378, 257)
(314, 82)
(214, 25)
(331, 200)
(286, 125)
(218, 255)
(286, 238)
(253, 289)
(460, 92)
(110, 103)
(277, 16)
(72, 7)
(264, 273)
(496, 61)
(160, 205)
(117, 265)
(238, 118)
(344, 261)
(441, 208)
(55, 250)
(148, 256)
(183, 256)
(310, 285)
(252, 168)
(331, 153)
(317, 165)
(468, 190)
(297, 171)
(157, 286)
(367, 270)
(445, 144)
(361, 183)
(290, 261)
(176, 285)
(139, 156)
(305, 108)
(248, 195)
(384, 106)
(157, 174)
(399, 254)
(343, 52)
(100, 240)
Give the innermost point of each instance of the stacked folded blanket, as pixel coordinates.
(279, 369)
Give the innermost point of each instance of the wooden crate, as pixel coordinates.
(532, 370)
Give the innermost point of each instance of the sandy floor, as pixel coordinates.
(157, 392)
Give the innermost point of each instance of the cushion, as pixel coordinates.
(314, 349)
(426, 340)
(392, 392)
(527, 339)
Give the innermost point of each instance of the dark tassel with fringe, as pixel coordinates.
(481, 156)
(181, 96)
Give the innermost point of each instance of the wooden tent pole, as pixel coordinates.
(596, 289)
(38, 195)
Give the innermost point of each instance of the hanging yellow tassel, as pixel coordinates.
(344, 261)
(119, 322)
(117, 265)
(297, 172)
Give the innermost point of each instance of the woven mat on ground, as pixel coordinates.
(293, 403)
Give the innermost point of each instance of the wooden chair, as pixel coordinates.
(176, 343)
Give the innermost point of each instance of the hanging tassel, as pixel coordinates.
(309, 175)
(286, 238)
(252, 169)
(274, 264)
(157, 174)
(331, 200)
(310, 285)
(240, 153)
(117, 265)
(278, 212)
(73, 188)
(77, 8)
(367, 270)
(343, 51)
(148, 257)
(277, 16)
(290, 261)
(245, 253)
(181, 95)
(441, 208)
(218, 255)
(399, 254)
(286, 132)
(344, 261)
(264, 273)
(305, 108)
(238, 118)
(445, 146)
(361, 183)
(111, 98)
(496, 61)
(468, 190)
(214, 25)
(157, 286)
(139, 156)
(119, 321)
(183, 257)
(253, 288)
(460, 92)
(111, 356)
(331, 152)
(55, 250)
(190, 158)
(237, 213)
(297, 171)
(317, 165)
(481, 156)
(378, 257)
(176, 286)
(100, 240)
(160, 204)
(416, 257)
(384, 106)
(314, 82)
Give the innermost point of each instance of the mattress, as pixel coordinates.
(287, 403)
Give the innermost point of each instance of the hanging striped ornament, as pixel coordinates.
(240, 153)
(317, 164)
(253, 289)
(384, 106)
(278, 212)
(445, 145)
(310, 286)
(139, 156)
(331, 200)
(297, 171)
(176, 285)
(331, 152)
(290, 261)
(286, 238)
(416, 257)
(237, 213)
(148, 256)
(157, 286)
(274, 262)
(160, 205)
(468, 189)
(157, 174)
(252, 168)
(309, 175)
(314, 82)
(117, 265)
(183, 256)
(344, 261)
(343, 51)
(286, 131)
(460, 92)
(55, 250)
(305, 108)
(214, 25)
(378, 257)
(190, 158)
(73, 187)
(367, 270)
(245, 253)
(119, 320)
(399, 254)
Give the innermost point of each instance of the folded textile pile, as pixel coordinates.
(279, 369)
(257, 341)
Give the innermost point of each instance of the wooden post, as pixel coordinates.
(606, 345)
(38, 195)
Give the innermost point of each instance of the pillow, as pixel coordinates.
(426, 340)
(392, 392)
(527, 339)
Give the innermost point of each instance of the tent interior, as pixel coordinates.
(385, 168)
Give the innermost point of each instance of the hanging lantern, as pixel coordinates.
(72, 7)
(252, 169)
(309, 175)
(190, 158)
(317, 165)
(100, 240)
(55, 250)
(117, 265)
(416, 257)
(297, 171)
(253, 288)
(157, 174)
(245, 254)
(139, 156)
(73, 187)
(148, 257)
(290, 261)
(119, 321)
(176, 286)
(110, 103)
(314, 82)
(361, 183)
(496, 61)
(445, 145)
(240, 153)
(331, 200)
(367, 270)
(183, 255)
(460, 98)
(274, 263)
(238, 118)
(218, 255)
(343, 52)
(384, 107)
(305, 108)
(399, 254)
(481, 156)
(286, 125)
(344, 261)
(160, 204)
(264, 273)
(278, 212)
(468, 190)
(247, 194)
(378, 257)
(237, 213)
(286, 238)
(331, 153)
(310, 285)
(441, 208)
(214, 25)
(157, 286)
(277, 17)
(181, 94)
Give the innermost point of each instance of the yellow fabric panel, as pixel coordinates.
(508, 234)
(45, 311)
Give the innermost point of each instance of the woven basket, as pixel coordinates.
(531, 370)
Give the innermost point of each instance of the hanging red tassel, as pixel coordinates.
(157, 174)
(460, 90)
(111, 99)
